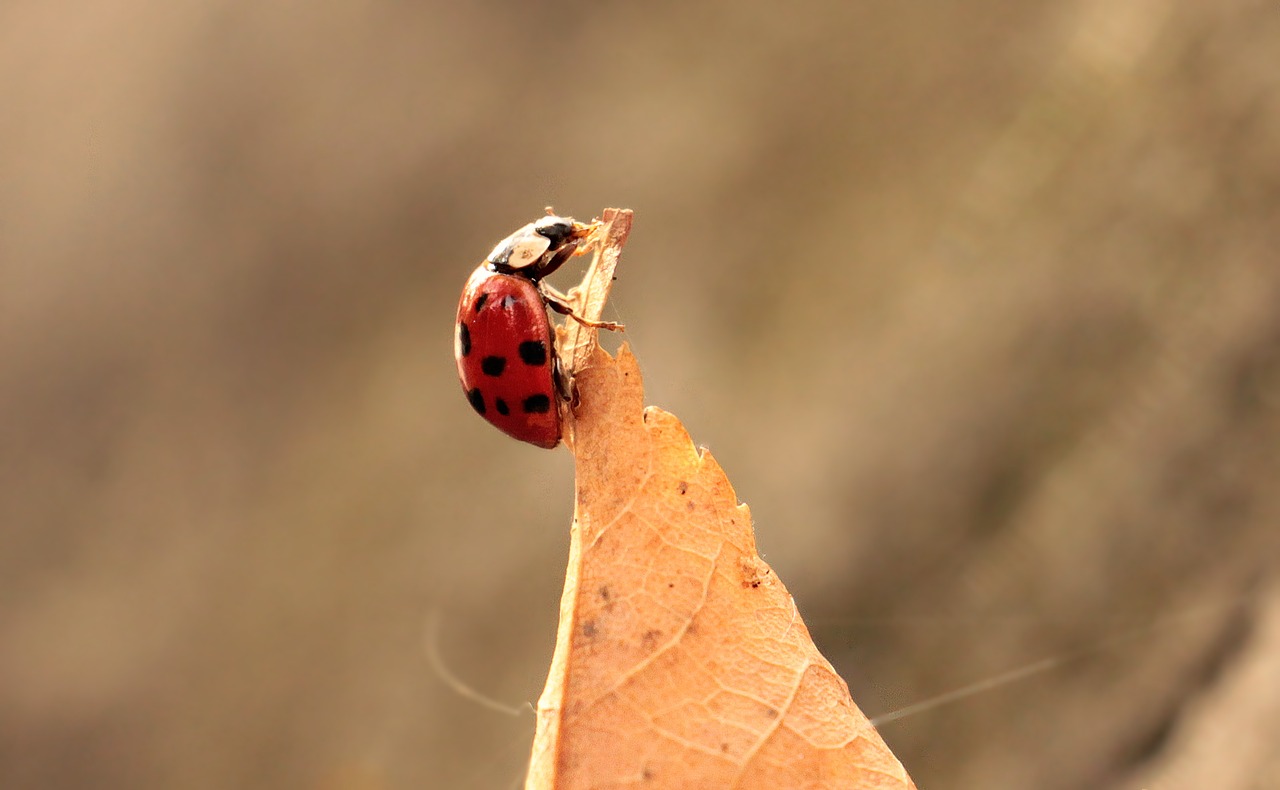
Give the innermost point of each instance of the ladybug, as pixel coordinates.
(503, 340)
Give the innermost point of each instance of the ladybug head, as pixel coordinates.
(538, 248)
(558, 230)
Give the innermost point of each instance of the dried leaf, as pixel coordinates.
(576, 342)
(681, 661)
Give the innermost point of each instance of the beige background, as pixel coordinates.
(977, 303)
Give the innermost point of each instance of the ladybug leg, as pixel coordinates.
(568, 393)
(589, 233)
(560, 303)
(557, 259)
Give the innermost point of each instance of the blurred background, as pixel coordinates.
(977, 304)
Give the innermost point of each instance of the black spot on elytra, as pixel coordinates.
(480, 301)
(477, 400)
(533, 352)
(464, 339)
(536, 404)
(501, 406)
(493, 366)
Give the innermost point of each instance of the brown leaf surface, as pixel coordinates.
(681, 660)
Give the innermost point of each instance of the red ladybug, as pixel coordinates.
(503, 342)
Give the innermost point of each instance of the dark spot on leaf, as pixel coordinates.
(683, 488)
(589, 629)
(771, 712)
(650, 638)
(604, 592)
(689, 506)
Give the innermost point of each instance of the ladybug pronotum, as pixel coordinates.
(503, 341)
